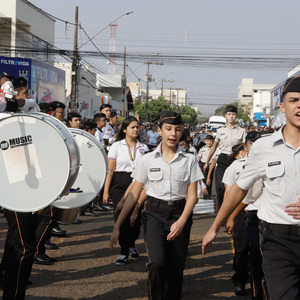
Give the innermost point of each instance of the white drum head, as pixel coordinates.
(92, 171)
(35, 161)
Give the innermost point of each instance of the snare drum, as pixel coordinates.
(39, 159)
(92, 171)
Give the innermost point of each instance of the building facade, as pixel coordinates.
(256, 99)
(26, 31)
(174, 96)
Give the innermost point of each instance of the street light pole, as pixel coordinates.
(126, 14)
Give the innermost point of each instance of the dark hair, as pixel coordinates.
(56, 104)
(72, 115)
(89, 124)
(121, 134)
(236, 149)
(98, 116)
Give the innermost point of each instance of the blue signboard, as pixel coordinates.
(17, 67)
(46, 83)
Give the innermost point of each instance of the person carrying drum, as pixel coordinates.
(275, 159)
(226, 138)
(123, 158)
(170, 178)
(21, 243)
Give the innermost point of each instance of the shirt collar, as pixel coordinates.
(234, 126)
(277, 136)
(139, 144)
(157, 151)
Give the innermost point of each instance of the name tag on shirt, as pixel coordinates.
(274, 163)
(154, 170)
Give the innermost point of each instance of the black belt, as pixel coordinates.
(158, 202)
(287, 229)
(123, 173)
(252, 212)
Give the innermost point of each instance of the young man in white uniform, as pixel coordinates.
(275, 159)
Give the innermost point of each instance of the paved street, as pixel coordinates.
(86, 270)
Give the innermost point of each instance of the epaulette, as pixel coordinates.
(189, 152)
(263, 135)
(149, 151)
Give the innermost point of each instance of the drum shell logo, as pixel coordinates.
(16, 142)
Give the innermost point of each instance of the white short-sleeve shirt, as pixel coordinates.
(99, 136)
(278, 164)
(228, 137)
(167, 181)
(108, 131)
(203, 154)
(120, 152)
(232, 174)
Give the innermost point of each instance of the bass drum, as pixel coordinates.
(39, 159)
(92, 172)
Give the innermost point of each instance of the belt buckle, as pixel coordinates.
(170, 203)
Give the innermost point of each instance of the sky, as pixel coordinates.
(206, 47)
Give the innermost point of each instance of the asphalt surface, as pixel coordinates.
(85, 268)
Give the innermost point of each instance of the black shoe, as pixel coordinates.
(57, 231)
(100, 208)
(90, 213)
(42, 260)
(122, 260)
(51, 258)
(51, 246)
(134, 254)
(239, 289)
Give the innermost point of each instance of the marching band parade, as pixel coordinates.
(145, 180)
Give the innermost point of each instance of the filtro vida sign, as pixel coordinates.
(16, 142)
(14, 62)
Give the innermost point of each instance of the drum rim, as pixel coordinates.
(41, 117)
(101, 148)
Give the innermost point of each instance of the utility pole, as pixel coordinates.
(139, 92)
(162, 86)
(124, 83)
(75, 65)
(147, 86)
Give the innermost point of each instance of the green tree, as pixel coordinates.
(154, 109)
(189, 116)
(120, 120)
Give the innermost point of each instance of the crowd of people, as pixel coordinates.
(156, 174)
